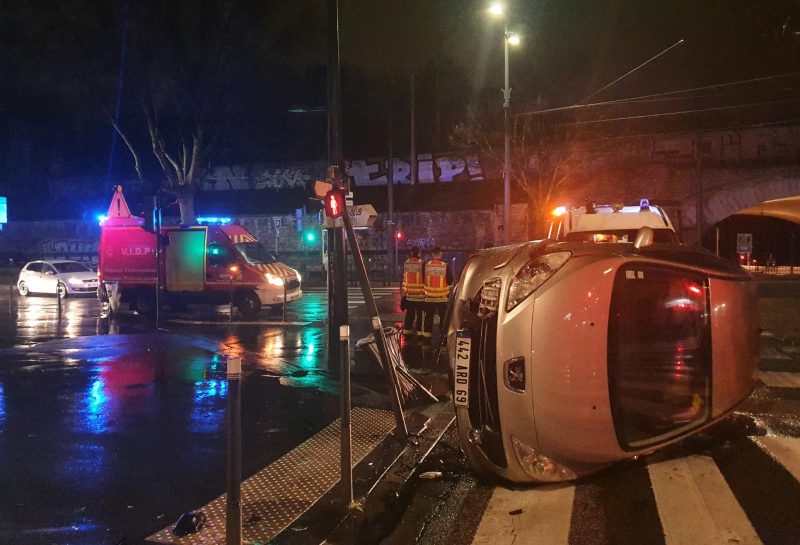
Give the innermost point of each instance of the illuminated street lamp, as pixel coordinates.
(497, 9)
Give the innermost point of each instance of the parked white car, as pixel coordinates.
(67, 277)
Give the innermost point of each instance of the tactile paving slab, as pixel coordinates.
(278, 494)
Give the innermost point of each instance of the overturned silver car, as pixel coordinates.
(567, 356)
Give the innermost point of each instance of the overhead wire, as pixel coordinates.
(655, 95)
(683, 112)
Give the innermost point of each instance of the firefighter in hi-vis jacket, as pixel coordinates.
(438, 279)
(414, 291)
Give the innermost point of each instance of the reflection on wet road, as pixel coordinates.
(108, 430)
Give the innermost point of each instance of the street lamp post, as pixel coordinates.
(497, 9)
(507, 146)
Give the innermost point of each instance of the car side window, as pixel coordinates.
(47, 269)
(34, 267)
(218, 255)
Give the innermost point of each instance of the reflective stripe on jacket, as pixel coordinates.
(412, 279)
(436, 288)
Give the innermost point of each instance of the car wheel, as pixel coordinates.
(248, 304)
(146, 304)
(23, 288)
(61, 290)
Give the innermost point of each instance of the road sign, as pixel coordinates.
(361, 216)
(744, 243)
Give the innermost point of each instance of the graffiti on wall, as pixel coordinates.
(450, 167)
(74, 249)
(423, 243)
(239, 177)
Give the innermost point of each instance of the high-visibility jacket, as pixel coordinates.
(437, 290)
(413, 272)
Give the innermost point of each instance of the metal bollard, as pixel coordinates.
(346, 448)
(233, 505)
(58, 296)
(284, 300)
(230, 306)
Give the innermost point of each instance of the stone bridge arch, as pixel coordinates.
(730, 192)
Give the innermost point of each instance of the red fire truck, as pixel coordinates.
(212, 264)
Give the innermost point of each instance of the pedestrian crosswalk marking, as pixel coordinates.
(535, 515)
(696, 505)
(780, 379)
(786, 450)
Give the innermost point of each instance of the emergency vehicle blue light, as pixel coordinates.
(644, 204)
(101, 218)
(213, 220)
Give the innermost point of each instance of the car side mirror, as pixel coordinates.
(49, 272)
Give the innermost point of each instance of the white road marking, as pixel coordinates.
(786, 450)
(225, 322)
(780, 379)
(545, 517)
(696, 506)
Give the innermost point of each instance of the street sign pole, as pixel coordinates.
(233, 502)
(346, 457)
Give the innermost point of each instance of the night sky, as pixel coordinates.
(60, 69)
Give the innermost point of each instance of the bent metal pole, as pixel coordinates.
(377, 328)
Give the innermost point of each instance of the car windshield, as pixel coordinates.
(71, 267)
(255, 253)
(619, 235)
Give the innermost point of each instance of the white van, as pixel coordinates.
(610, 223)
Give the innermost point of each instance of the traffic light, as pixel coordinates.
(310, 237)
(334, 203)
(399, 235)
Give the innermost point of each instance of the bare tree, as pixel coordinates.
(540, 161)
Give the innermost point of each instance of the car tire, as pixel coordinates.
(61, 290)
(146, 304)
(22, 287)
(248, 304)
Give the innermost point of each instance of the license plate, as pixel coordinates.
(463, 356)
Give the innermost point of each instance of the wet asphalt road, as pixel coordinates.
(109, 429)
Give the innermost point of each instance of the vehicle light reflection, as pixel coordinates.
(207, 414)
(96, 400)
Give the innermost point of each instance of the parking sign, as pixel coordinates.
(744, 243)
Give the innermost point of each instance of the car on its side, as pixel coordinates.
(569, 356)
(58, 277)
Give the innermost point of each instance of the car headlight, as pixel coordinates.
(75, 281)
(539, 466)
(274, 280)
(532, 275)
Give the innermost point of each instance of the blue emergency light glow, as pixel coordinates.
(213, 220)
(644, 204)
(3, 210)
(101, 218)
